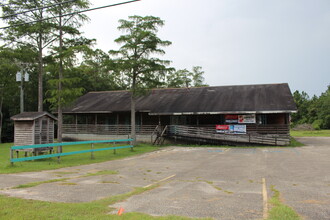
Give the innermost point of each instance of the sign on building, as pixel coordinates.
(246, 119)
(231, 129)
(231, 119)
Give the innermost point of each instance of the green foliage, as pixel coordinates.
(136, 59)
(315, 133)
(317, 124)
(185, 78)
(315, 111)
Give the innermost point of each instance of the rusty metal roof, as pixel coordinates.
(265, 98)
(30, 116)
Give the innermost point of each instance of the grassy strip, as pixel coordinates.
(68, 161)
(315, 133)
(280, 211)
(295, 143)
(101, 172)
(33, 184)
(14, 208)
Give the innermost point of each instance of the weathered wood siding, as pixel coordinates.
(44, 130)
(23, 133)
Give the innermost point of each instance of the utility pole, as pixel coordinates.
(20, 77)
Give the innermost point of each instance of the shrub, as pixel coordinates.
(317, 124)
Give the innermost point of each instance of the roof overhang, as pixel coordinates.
(224, 112)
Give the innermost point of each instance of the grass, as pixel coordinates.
(15, 208)
(33, 184)
(314, 133)
(67, 161)
(101, 172)
(279, 210)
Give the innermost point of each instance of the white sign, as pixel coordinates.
(239, 129)
(26, 77)
(18, 76)
(247, 119)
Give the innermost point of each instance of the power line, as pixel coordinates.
(35, 9)
(73, 13)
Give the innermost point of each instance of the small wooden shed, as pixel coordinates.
(33, 128)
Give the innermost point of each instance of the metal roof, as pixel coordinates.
(30, 116)
(239, 99)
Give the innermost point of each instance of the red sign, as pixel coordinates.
(231, 117)
(222, 127)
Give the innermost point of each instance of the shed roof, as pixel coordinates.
(30, 116)
(265, 98)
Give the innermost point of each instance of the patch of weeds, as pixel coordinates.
(68, 184)
(218, 188)
(279, 210)
(149, 171)
(209, 182)
(158, 172)
(294, 184)
(33, 184)
(295, 143)
(101, 172)
(228, 192)
(251, 181)
(113, 182)
(64, 172)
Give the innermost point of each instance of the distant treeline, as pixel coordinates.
(314, 111)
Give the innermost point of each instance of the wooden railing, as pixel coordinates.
(106, 129)
(210, 134)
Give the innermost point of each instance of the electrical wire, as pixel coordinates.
(73, 13)
(35, 9)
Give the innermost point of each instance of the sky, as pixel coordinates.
(236, 42)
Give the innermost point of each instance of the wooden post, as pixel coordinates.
(11, 156)
(132, 145)
(92, 152)
(114, 145)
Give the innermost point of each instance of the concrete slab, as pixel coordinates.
(223, 183)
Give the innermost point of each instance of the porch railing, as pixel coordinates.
(211, 134)
(106, 129)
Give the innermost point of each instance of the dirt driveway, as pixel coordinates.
(223, 183)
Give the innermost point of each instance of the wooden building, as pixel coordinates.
(33, 128)
(263, 109)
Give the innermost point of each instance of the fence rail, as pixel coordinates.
(92, 150)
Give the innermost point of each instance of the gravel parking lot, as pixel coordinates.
(223, 183)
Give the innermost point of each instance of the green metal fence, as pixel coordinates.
(92, 150)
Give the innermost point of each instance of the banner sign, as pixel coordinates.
(239, 129)
(247, 119)
(231, 129)
(231, 118)
(222, 128)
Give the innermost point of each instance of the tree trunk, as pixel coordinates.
(1, 116)
(60, 78)
(40, 75)
(133, 133)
